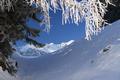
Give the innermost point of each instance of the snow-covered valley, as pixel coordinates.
(97, 59)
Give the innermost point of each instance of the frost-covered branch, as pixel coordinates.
(92, 11)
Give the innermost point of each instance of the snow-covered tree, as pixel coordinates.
(92, 11)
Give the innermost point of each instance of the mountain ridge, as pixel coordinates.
(97, 59)
(30, 51)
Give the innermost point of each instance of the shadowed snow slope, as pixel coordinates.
(98, 59)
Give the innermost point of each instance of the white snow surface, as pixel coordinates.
(98, 59)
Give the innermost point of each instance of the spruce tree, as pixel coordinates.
(13, 27)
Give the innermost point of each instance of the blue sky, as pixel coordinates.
(58, 32)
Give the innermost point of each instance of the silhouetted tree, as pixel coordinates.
(13, 18)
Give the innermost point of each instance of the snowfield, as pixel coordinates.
(97, 59)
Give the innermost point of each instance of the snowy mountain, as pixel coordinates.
(97, 59)
(30, 51)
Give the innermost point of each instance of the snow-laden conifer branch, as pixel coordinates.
(92, 11)
(5, 4)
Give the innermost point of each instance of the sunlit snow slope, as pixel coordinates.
(98, 59)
